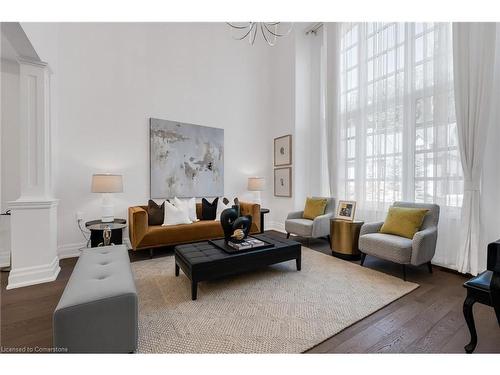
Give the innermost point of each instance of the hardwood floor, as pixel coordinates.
(428, 320)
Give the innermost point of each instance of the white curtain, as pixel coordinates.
(473, 63)
(397, 135)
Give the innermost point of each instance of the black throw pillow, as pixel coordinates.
(209, 210)
(156, 213)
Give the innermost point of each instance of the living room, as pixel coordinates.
(191, 185)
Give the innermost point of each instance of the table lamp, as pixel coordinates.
(256, 184)
(107, 183)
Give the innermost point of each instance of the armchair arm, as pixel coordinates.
(252, 209)
(321, 225)
(424, 246)
(371, 228)
(295, 215)
(138, 225)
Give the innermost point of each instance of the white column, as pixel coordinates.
(34, 215)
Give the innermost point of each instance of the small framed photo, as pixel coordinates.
(283, 182)
(283, 150)
(345, 210)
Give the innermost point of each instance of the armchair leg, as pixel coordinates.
(404, 272)
(497, 312)
(151, 253)
(363, 256)
(429, 266)
(469, 318)
(288, 235)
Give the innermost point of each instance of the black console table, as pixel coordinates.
(263, 211)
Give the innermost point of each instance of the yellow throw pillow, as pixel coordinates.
(403, 221)
(314, 207)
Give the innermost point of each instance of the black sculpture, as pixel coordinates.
(230, 222)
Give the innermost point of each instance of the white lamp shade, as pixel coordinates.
(256, 183)
(107, 183)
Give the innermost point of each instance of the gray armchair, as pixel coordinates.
(416, 251)
(319, 227)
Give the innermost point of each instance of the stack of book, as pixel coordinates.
(249, 243)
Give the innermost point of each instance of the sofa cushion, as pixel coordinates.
(209, 210)
(156, 213)
(301, 227)
(386, 246)
(182, 233)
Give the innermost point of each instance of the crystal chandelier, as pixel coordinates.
(270, 31)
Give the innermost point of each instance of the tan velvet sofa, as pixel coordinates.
(143, 236)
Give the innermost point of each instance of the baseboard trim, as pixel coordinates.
(34, 275)
(72, 250)
(277, 226)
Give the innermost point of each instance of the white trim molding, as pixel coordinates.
(38, 274)
(72, 250)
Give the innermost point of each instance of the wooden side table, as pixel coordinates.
(344, 237)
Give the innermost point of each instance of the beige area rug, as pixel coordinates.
(273, 310)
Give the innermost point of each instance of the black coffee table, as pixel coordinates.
(202, 261)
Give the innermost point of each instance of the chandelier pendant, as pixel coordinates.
(270, 31)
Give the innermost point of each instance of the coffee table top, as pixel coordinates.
(204, 252)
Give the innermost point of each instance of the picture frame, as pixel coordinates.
(283, 150)
(346, 210)
(283, 182)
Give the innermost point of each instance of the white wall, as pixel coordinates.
(10, 181)
(111, 78)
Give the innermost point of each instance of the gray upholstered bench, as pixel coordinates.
(97, 312)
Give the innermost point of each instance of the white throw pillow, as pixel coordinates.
(190, 203)
(221, 207)
(175, 215)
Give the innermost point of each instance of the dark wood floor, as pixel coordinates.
(428, 320)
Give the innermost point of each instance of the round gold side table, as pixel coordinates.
(344, 237)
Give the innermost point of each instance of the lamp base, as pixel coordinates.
(108, 214)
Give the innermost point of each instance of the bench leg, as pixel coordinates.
(194, 290)
(176, 269)
(288, 235)
(298, 261)
(469, 318)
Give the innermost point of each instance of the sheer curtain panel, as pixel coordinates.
(397, 133)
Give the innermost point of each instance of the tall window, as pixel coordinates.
(398, 136)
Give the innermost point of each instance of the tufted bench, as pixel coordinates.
(97, 312)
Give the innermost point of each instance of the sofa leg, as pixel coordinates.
(150, 253)
(288, 235)
(363, 256)
(429, 266)
(404, 272)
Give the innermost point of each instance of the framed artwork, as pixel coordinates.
(283, 150)
(283, 182)
(345, 210)
(186, 160)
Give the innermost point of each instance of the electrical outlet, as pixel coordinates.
(79, 216)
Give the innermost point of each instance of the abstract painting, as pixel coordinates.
(186, 160)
